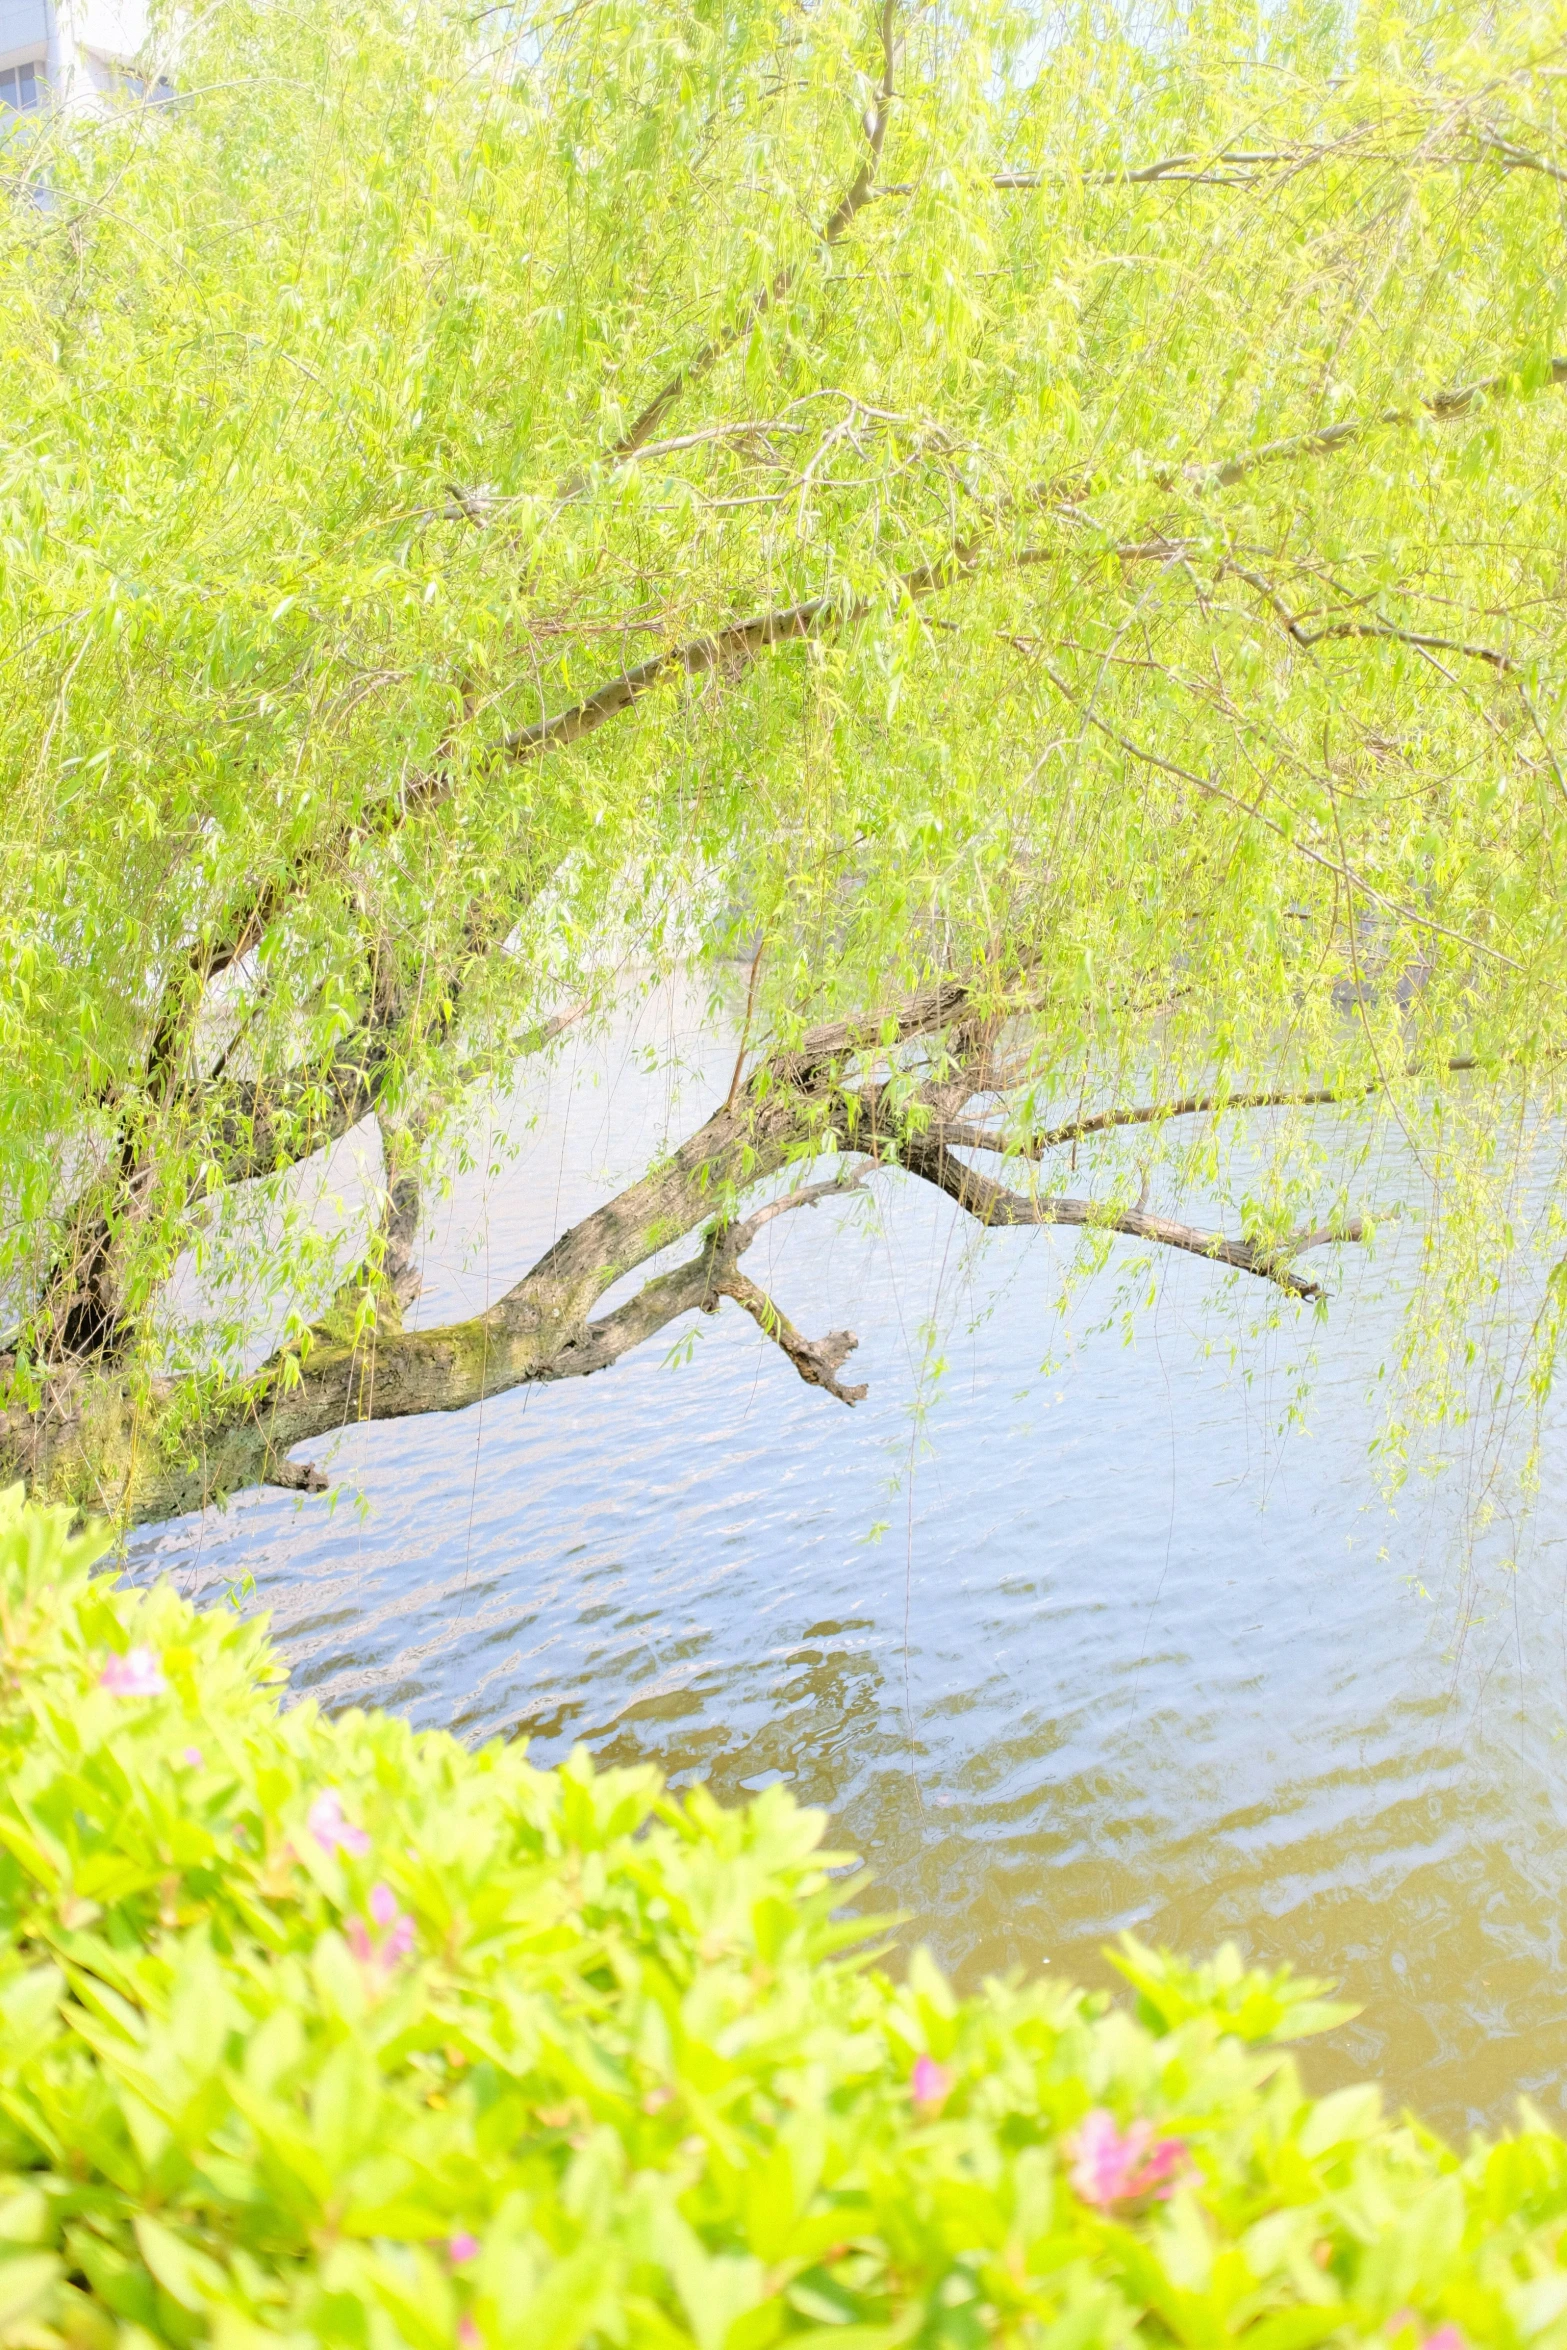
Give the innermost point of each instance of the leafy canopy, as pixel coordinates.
(1146, 423)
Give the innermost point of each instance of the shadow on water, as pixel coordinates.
(1118, 1656)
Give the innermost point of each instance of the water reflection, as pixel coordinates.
(1119, 1655)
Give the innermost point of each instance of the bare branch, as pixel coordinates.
(818, 1361)
(1217, 170)
(991, 1203)
(806, 1197)
(1520, 158)
(1503, 663)
(1191, 169)
(1322, 1236)
(959, 1134)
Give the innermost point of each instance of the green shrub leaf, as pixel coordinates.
(504, 2057)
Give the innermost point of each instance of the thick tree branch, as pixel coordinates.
(92, 1437)
(540, 1330)
(249, 1128)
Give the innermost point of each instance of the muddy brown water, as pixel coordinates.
(1064, 1650)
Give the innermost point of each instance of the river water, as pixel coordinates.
(1065, 1630)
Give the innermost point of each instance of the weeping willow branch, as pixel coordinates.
(850, 204)
(1216, 791)
(744, 641)
(991, 1203)
(254, 1128)
(1295, 626)
(1441, 407)
(123, 1446)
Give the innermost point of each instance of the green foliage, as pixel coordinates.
(1253, 2005)
(322, 2032)
(314, 488)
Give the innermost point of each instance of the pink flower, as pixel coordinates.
(326, 1823)
(380, 1954)
(396, 1925)
(932, 2083)
(1446, 2337)
(193, 1756)
(138, 1673)
(1113, 2166)
(468, 2334)
(461, 2246)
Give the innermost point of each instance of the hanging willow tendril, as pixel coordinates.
(1057, 529)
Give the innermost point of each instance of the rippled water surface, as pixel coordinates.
(1064, 1651)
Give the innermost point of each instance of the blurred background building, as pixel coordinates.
(71, 52)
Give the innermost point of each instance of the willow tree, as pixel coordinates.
(1052, 526)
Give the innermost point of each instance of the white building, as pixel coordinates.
(64, 52)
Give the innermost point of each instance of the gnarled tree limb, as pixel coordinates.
(818, 1361)
(93, 1439)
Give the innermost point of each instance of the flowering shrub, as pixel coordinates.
(321, 2032)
